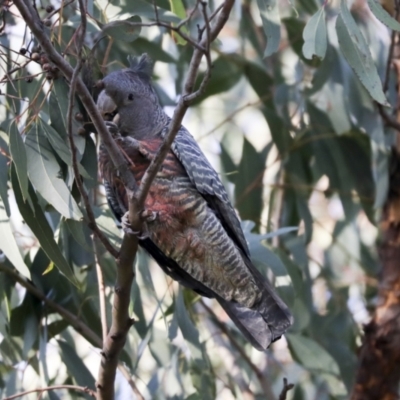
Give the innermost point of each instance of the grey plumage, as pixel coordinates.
(208, 251)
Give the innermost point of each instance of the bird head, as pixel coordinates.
(129, 99)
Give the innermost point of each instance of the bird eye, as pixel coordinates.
(130, 96)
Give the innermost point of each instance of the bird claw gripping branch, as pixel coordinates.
(193, 233)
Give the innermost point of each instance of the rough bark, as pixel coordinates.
(378, 373)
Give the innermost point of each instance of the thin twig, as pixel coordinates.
(71, 97)
(188, 96)
(54, 387)
(63, 5)
(286, 387)
(130, 381)
(71, 318)
(390, 121)
(27, 12)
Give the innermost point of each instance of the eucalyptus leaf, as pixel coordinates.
(8, 245)
(269, 12)
(315, 37)
(311, 355)
(126, 30)
(60, 146)
(40, 227)
(178, 8)
(44, 173)
(18, 155)
(3, 183)
(356, 51)
(383, 15)
(75, 365)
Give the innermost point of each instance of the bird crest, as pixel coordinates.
(143, 66)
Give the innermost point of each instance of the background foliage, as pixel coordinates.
(299, 143)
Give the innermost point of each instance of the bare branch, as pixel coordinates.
(29, 15)
(71, 96)
(71, 318)
(389, 121)
(54, 387)
(286, 387)
(100, 282)
(121, 321)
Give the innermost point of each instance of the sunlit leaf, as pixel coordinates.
(315, 37)
(18, 155)
(271, 21)
(75, 365)
(356, 51)
(310, 354)
(3, 183)
(383, 15)
(126, 30)
(8, 245)
(39, 225)
(178, 8)
(44, 173)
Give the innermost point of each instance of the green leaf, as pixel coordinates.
(8, 244)
(248, 182)
(355, 49)
(44, 173)
(260, 81)
(18, 155)
(3, 183)
(311, 355)
(75, 366)
(199, 368)
(189, 331)
(37, 221)
(76, 228)
(383, 15)
(315, 37)
(178, 8)
(145, 9)
(60, 146)
(153, 49)
(224, 75)
(269, 12)
(126, 30)
(58, 106)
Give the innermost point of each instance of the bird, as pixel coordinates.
(192, 230)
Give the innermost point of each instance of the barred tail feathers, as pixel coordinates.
(266, 321)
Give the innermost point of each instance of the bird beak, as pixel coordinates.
(107, 107)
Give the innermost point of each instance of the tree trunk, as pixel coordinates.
(378, 372)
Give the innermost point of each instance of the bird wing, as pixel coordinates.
(206, 180)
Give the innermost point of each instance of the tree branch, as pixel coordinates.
(188, 97)
(54, 387)
(286, 387)
(121, 321)
(29, 15)
(71, 97)
(71, 318)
